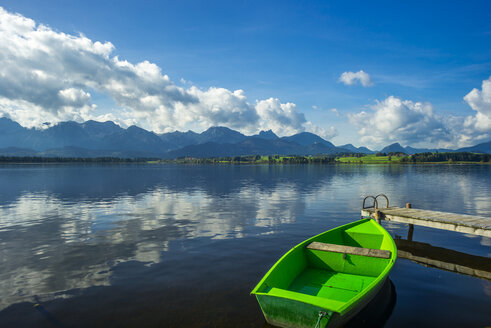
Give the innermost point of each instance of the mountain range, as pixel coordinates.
(97, 139)
(484, 148)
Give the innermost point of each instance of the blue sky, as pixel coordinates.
(422, 59)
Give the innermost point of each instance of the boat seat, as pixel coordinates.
(380, 253)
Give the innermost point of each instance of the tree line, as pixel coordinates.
(257, 159)
(35, 159)
(446, 157)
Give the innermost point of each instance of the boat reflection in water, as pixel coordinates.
(376, 313)
(443, 258)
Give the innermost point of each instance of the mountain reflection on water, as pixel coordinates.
(177, 236)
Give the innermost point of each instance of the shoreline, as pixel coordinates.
(230, 163)
(383, 159)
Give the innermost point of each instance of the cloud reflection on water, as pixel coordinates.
(51, 245)
(64, 229)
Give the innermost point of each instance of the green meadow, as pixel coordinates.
(370, 159)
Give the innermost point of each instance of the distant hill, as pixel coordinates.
(268, 135)
(93, 139)
(397, 148)
(411, 150)
(176, 140)
(484, 148)
(100, 129)
(9, 127)
(107, 139)
(135, 139)
(218, 134)
(14, 151)
(78, 139)
(13, 135)
(363, 150)
(394, 148)
(221, 134)
(307, 138)
(253, 146)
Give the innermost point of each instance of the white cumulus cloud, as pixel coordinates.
(480, 101)
(50, 76)
(397, 120)
(327, 134)
(416, 124)
(351, 78)
(280, 117)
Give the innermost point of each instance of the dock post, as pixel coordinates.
(377, 216)
(410, 232)
(411, 227)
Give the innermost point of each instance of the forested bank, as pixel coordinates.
(380, 158)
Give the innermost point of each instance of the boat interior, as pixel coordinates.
(332, 267)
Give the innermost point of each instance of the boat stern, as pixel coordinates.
(283, 312)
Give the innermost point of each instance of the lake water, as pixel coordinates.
(182, 246)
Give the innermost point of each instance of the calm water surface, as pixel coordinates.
(182, 246)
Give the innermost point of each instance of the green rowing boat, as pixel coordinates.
(325, 280)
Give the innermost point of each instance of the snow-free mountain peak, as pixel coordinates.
(307, 138)
(394, 148)
(268, 135)
(221, 134)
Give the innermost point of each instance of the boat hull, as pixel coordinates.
(287, 313)
(327, 279)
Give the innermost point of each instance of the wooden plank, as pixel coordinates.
(435, 215)
(349, 250)
(435, 219)
(429, 221)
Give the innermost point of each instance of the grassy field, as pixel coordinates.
(370, 159)
(278, 159)
(328, 159)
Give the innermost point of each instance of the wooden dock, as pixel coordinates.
(476, 225)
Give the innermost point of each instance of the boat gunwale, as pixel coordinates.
(323, 302)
